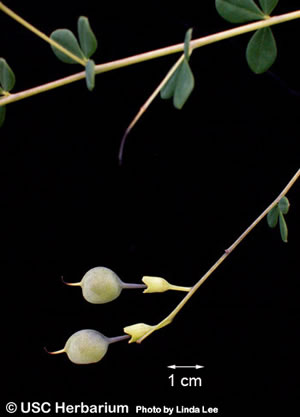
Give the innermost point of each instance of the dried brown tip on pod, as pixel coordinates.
(57, 352)
(71, 284)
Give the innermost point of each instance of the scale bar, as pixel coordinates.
(185, 366)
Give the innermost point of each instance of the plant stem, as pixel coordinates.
(197, 43)
(171, 316)
(147, 103)
(120, 63)
(41, 88)
(42, 35)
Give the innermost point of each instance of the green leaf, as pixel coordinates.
(2, 114)
(168, 90)
(239, 11)
(261, 51)
(187, 40)
(7, 77)
(268, 5)
(67, 39)
(90, 74)
(272, 217)
(87, 39)
(181, 83)
(284, 205)
(184, 84)
(283, 227)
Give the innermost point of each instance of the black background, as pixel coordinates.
(191, 182)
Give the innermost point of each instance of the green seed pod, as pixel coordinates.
(101, 285)
(87, 346)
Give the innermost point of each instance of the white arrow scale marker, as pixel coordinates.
(185, 366)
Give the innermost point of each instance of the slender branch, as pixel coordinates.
(120, 63)
(147, 103)
(42, 35)
(197, 43)
(41, 88)
(171, 316)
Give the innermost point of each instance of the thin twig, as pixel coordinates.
(171, 316)
(147, 103)
(121, 63)
(42, 35)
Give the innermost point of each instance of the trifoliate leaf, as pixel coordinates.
(284, 205)
(187, 40)
(261, 51)
(67, 39)
(180, 85)
(239, 11)
(272, 216)
(283, 227)
(7, 77)
(268, 5)
(2, 114)
(168, 90)
(90, 74)
(87, 39)
(184, 84)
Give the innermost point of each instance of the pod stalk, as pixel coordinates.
(178, 288)
(118, 339)
(133, 286)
